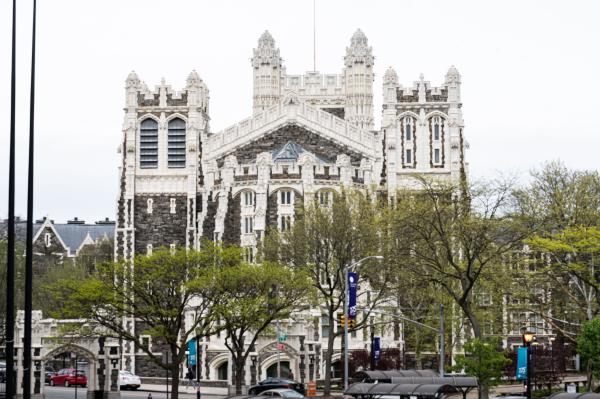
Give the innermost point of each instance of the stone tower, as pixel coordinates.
(266, 73)
(358, 76)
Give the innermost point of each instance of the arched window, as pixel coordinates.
(223, 371)
(176, 147)
(408, 130)
(149, 144)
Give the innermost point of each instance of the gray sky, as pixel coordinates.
(529, 70)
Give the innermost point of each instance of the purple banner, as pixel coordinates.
(352, 284)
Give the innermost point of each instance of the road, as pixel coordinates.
(69, 393)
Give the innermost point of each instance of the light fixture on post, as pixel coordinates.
(346, 275)
(528, 339)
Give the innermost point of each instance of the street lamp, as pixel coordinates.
(528, 338)
(198, 330)
(346, 270)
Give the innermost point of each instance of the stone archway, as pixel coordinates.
(102, 355)
(268, 356)
(79, 353)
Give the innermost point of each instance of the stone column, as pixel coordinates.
(38, 383)
(302, 359)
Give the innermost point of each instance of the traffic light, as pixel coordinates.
(351, 323)
(341, 319)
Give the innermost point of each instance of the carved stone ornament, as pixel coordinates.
(192, 147)
(130, 147)
(264, 159)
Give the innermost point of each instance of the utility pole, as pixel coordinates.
(10, 249)
(29, 234)
(278, 351)
(442, 342)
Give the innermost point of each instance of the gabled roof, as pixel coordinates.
(290, 152)
(293, 111)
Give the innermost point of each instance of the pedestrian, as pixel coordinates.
(291, 375)
(190, 376)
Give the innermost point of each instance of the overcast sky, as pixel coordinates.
(530, 76)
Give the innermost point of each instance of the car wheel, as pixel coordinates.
(66, 383)
(83, 386)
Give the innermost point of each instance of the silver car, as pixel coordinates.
(282, 393)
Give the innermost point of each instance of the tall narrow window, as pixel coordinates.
(285, 223)
(149, 144)
(176, 148)
(408, 132)
(285, 197)
(436, 155)
(436, 131)
(248, 198)
(248, 225)
(408, 156)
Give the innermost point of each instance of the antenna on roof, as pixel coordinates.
(314, 36)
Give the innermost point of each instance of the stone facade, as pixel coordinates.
(308, 135)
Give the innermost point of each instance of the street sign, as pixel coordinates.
(522, 363)
(192, 352)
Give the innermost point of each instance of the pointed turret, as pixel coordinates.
(453, 84)
(267, 70)
(390, 77)
(132, 80)
(197, 91)
(359, 50)
(358, 75)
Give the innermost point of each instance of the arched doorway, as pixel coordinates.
(286, 371)
(68, 365)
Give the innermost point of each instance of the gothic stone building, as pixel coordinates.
(308, 136)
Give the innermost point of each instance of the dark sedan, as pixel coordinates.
(272, 383)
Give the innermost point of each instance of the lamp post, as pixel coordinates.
(346, 271)
(197, 364)
(528, 338)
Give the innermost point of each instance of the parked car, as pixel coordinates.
(2, 371)
(67, 378)
(282, 393)
(128, 380)
(272, 383)
(48, 374)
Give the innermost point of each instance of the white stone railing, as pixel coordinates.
(302, 114)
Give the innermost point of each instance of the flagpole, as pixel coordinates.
(10, 249)
(29, 238)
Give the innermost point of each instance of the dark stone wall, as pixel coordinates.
(339, 112)
(271, 213)
(161, 227)
(310, 141)
(208, 226)
(179, 101)
(232, 226)
(144, 366)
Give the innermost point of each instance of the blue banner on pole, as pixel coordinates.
(522, 363)
(192, 352)
(376, 348)
(352, 283)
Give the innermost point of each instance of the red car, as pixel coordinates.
(67, 378)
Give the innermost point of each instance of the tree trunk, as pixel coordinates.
(589, 376)
(328, 356)
(174, 380)
(239, 374)
(484, 392)
(472, 319)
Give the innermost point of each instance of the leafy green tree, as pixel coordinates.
(574, 255)
(157, 291)
(248, 298)
(588, 346)
(483, 360)
(328, 238)
(454, 234)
